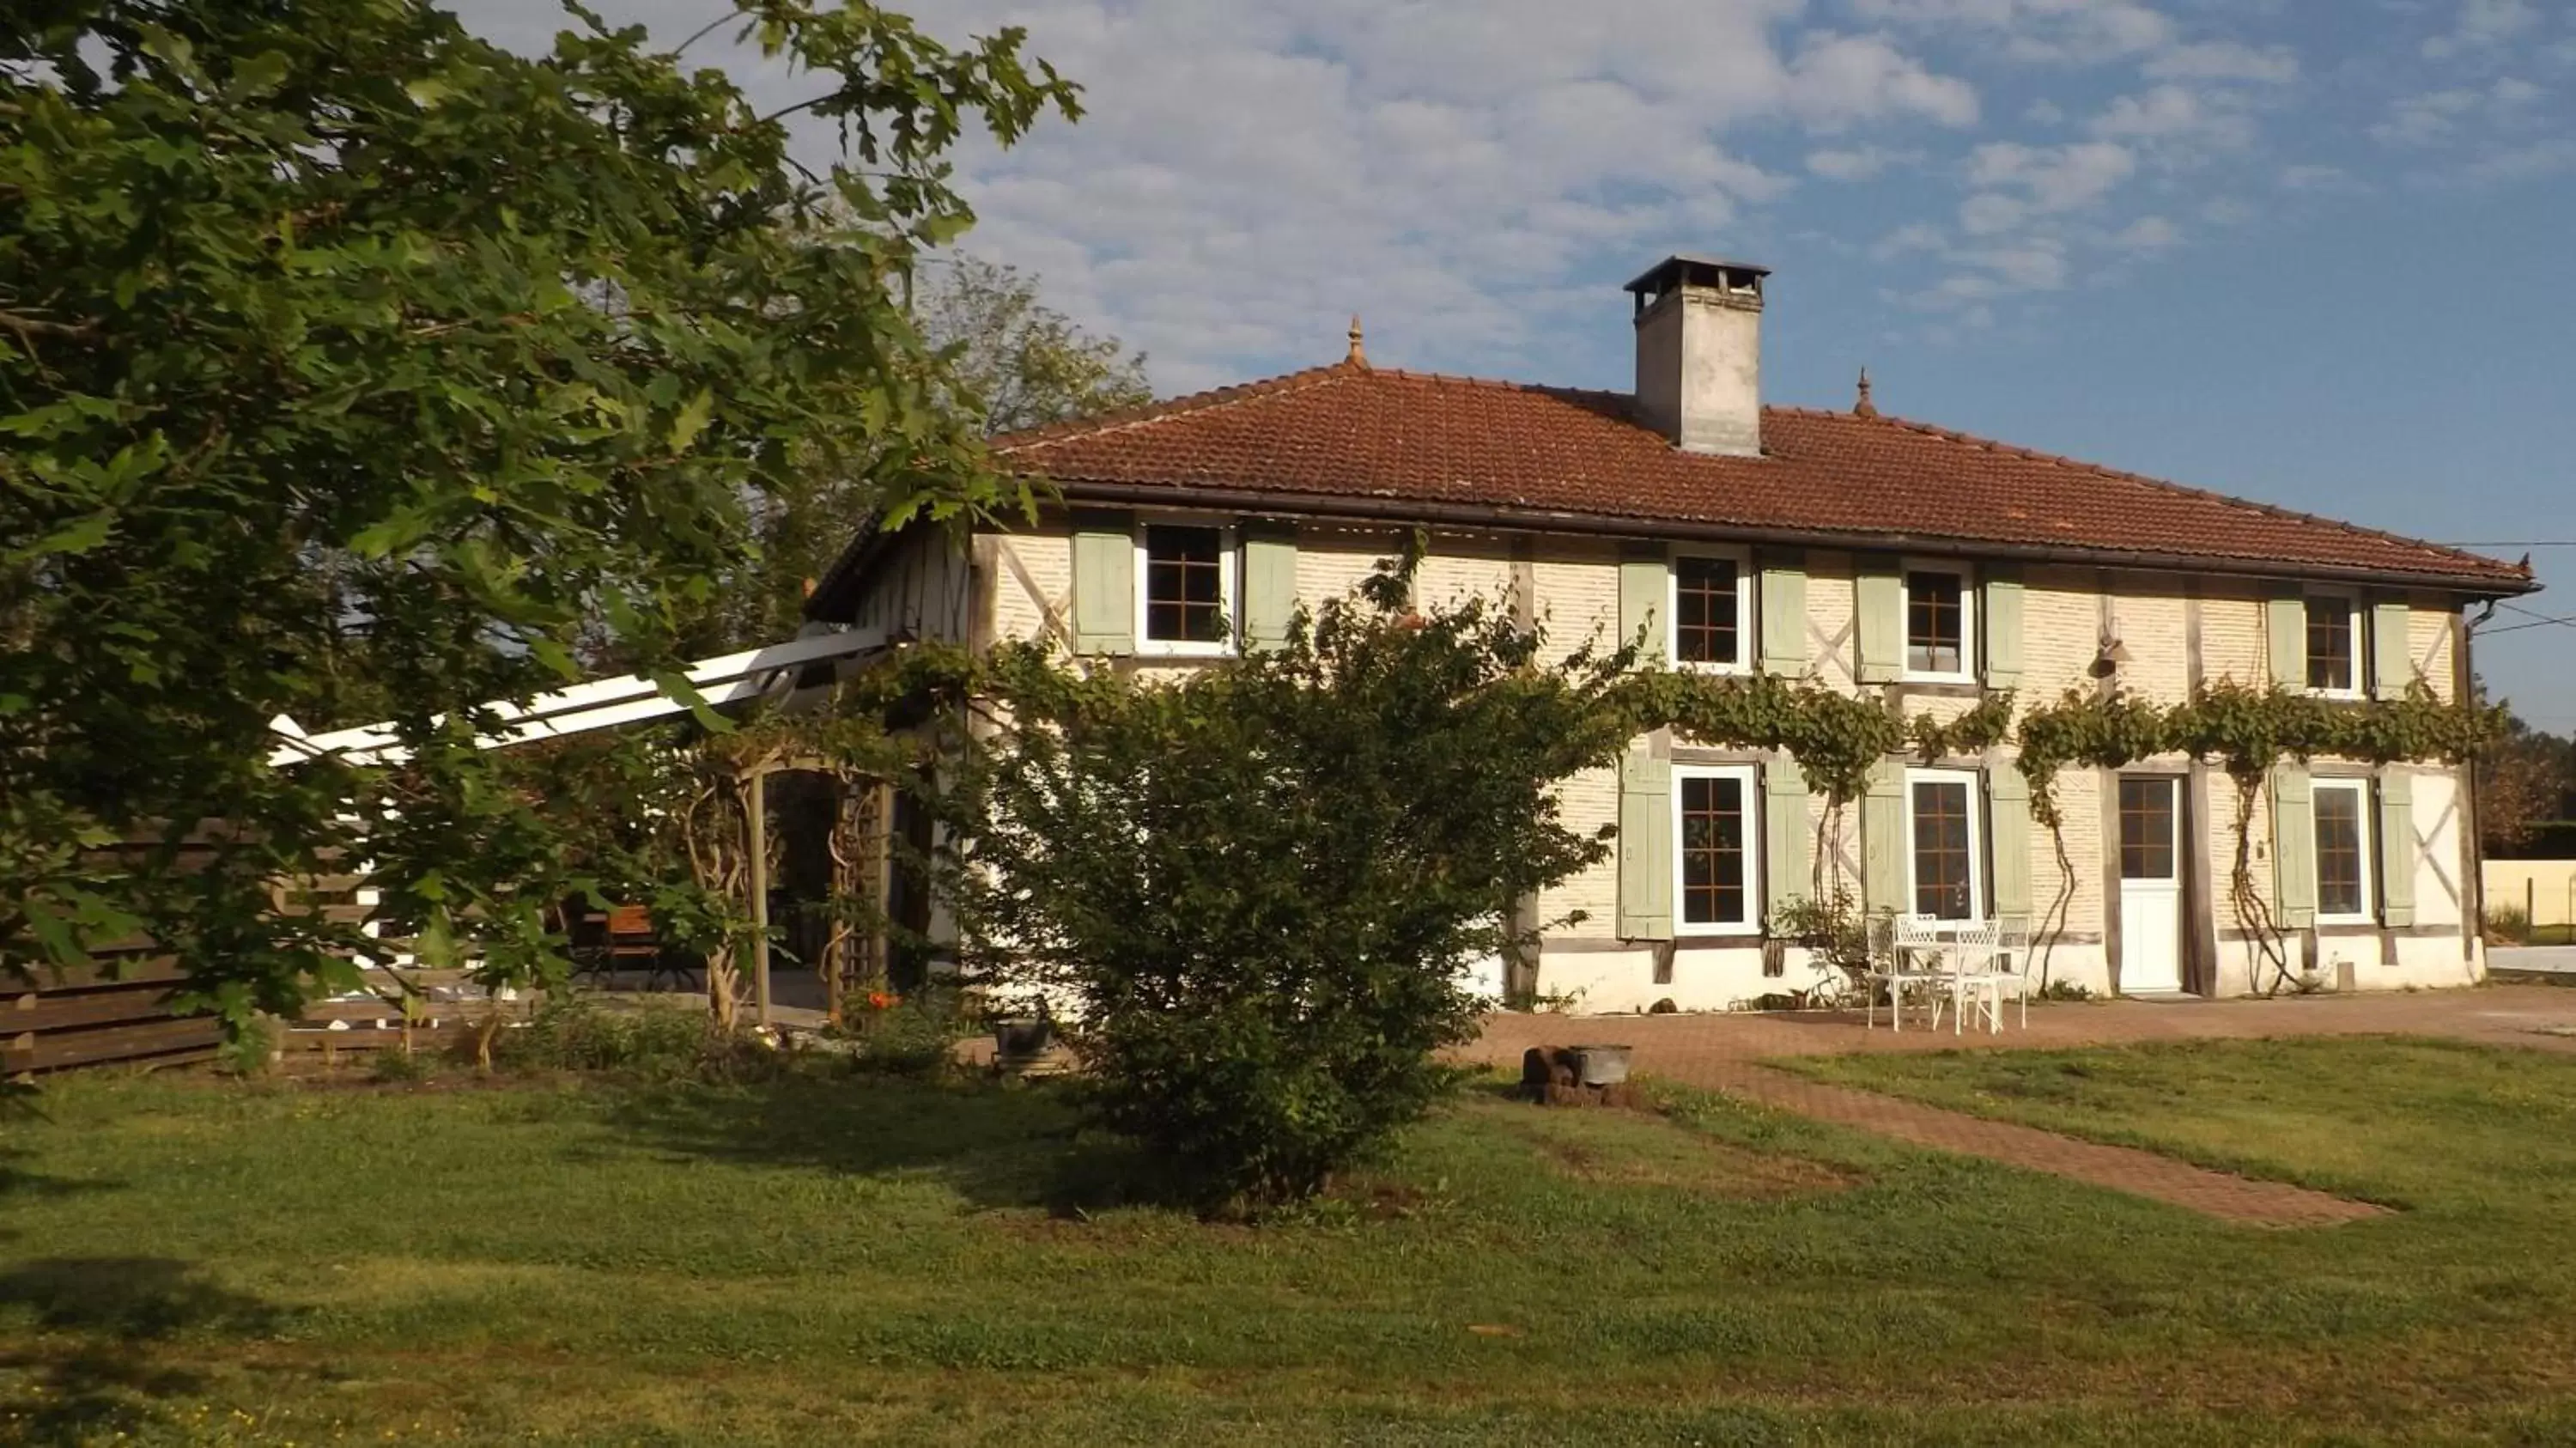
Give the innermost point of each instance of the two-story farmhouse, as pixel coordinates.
(1876, 555)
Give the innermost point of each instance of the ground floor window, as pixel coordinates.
(1716, 877)
(1945, 859)
(2343, 850)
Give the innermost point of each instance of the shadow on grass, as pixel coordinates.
(18, 1181)
(1018, 1145)
(89, 1375)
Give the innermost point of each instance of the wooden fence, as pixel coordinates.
(119, 1012)
(118, 1009)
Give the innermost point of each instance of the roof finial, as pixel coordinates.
(1359, 354)
(1864, 407)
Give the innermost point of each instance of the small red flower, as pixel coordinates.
(878, 1000)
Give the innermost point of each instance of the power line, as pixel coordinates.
(2489, 633)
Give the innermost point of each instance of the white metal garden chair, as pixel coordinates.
(1908, 960)
(1963, 953)
(1989, 958)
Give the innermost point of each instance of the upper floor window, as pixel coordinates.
(1715, 870)
(1940, 623)
(1711, 611)
(2334, 645)
(2343, 850)
(1185, 588)
(1944, 861)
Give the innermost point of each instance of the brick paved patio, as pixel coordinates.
(1723, 1053)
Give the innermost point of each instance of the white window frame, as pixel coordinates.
(1969, 649)
(2355, 643)
(1229, 567)
(2359, 789)
(1744, 776)
(1975, 786)
(1747, 633)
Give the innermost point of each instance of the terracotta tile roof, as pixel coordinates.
(1350, 432)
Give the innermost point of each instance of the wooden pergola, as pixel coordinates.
(765, 673)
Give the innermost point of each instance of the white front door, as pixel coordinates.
(2150, 885)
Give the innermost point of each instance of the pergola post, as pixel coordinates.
(757, 826)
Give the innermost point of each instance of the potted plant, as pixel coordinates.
(1022, 1033)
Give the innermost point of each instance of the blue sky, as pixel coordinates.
(2313, 252)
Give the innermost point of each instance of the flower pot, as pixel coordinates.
(1022, 1037)
(1602, 1065)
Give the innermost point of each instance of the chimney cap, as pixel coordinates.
(1690, 267)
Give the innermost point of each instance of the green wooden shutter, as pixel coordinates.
(2285, 631)
(2294, 846)
(1788, 859)
(1878, 621)
(2396, 851)
(2008, 828)
(1645, 589)
(1269, 583)
(2002, 595)
(1645, 847)
(1104, 583)
(2392, 656)
(1783, 602)
(1883, 845)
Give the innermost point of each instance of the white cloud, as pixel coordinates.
(2037, 266)
(2483, 25)
(2525, 163)
(2428, 117)
(1252, 171)
(2148, 233)
(1844, 78)
(1912, 237)
(2175, 114)
(1860, 163)
(2311, 177)
(2052, 178)
(1474, 175)
(2226, 60)
(2068, 32)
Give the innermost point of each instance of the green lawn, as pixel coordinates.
(864, 1261)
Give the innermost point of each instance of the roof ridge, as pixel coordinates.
(1503, 383)
(2165, 484)
(1184, 405)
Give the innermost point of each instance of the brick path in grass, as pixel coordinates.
(2144, 1173)
(1722, 1052)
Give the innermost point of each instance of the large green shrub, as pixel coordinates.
(1250, 894)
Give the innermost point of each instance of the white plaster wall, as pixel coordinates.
(1577, 583)
(1465, 566)
(1596, 982)
(1333, 560)
(1586, 802)
(1576, 591)
(2232, 647)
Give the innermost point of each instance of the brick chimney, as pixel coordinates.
(1699, 353)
